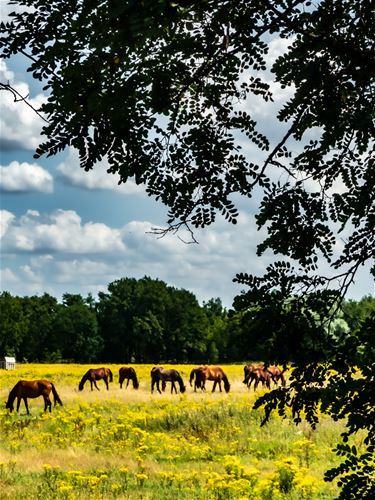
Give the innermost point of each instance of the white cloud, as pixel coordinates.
(62, 231)
(6, 219)
(19, 123)
(276, 48)
(96, 179)
(25, 177)
(61, 254)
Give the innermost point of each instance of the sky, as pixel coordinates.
(64, 230)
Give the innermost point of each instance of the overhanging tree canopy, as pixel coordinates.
(160, 89)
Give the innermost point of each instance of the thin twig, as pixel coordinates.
(19, 98)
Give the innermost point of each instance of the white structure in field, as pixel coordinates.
(8, 363)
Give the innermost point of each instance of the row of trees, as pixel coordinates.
(139, 321)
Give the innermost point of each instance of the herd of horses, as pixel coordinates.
(260, 373)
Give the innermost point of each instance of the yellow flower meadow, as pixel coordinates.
(123, 443)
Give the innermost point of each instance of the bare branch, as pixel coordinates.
(20, 98)
(161, 232)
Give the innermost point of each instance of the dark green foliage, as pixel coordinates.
(147, 321)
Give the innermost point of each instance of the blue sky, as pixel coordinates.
(67, 231)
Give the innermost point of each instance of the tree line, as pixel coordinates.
(140, 321)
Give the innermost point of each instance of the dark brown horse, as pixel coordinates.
(32, 389)
(196, 374)
(214, 373)
(128, 373)
(159, 374)
(94, 374)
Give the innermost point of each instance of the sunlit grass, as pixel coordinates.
(126, 443)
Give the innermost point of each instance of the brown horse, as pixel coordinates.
(196, 374)
(32, 389)
(159, 374)
(94, 374)
(277, 375)
(261, 373)
(214, 373)
(129, 374)
(256, 374)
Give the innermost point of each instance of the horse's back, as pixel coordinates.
(32, 388)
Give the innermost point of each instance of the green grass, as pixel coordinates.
(131, 444)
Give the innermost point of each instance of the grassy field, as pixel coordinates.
(124, 443)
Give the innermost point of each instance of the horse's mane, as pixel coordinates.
(83, 380)
(180, 381)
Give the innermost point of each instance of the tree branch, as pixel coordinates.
(19, 98)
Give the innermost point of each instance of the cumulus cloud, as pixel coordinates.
(96, 179)
(61, 231)
(6, 219)
(20, 125)
(62, 253)
(25, 177)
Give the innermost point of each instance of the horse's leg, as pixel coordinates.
(214, 386)
(219, 382)
(106, 382)
(47, 403)
(18, 404)
(96, 386)
(158, 386)
(26, 405)
(127, 383)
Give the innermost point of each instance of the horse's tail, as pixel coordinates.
(56, 397)
(226, 383)
(135, 379)
(192, 373)
(110, 375)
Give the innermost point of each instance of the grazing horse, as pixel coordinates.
(94, 374)
(161, 374)
(276, 375)
(256, 374)
(259, 373)
(214, 373)
(129, 374)
(32, 389)
(196, 374)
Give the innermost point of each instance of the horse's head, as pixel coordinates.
(182, 389)
(9, 406)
